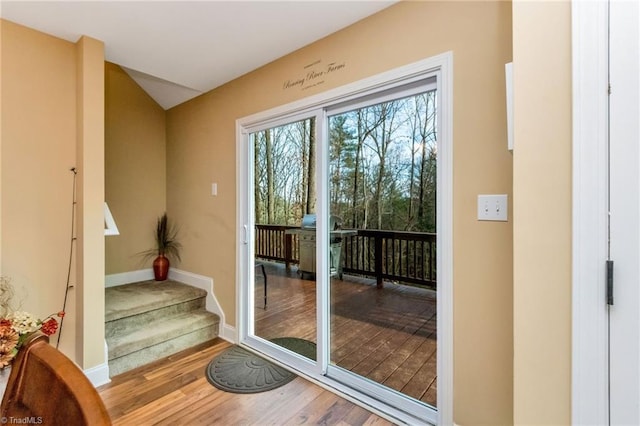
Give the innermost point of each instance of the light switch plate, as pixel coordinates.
(493, 207)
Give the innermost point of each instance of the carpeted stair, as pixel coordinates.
(150, 320)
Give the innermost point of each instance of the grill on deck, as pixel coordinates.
(307, 245)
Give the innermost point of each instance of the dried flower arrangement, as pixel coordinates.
(17, 326)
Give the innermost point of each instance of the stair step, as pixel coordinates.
(159, 331)
(161, 350)
(137, 298)
(144, 319)
(149, 320)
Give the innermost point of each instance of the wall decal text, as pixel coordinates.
(313, 75)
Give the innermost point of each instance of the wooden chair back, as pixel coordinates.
(48, 388)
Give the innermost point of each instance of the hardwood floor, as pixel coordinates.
(387, 335)
(175, 391)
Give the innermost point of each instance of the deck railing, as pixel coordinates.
(407, 257)
(273, 243)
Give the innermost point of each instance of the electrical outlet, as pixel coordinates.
(492, 207)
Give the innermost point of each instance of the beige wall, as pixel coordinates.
(45, 91)
(542, 231)
(90, 202)
(201, 150)
(38, 149)
(135, 169)
(38, 134)
(1, 23)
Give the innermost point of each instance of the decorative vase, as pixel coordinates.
(161, 268)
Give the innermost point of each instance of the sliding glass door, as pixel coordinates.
(382, 184)
(284, 182)
(340, 258)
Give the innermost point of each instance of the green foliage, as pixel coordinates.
(166, 239)
(382, 167)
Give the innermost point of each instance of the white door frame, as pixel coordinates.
(442, 65)
(590, 328)
(590, 209)
(624, 229)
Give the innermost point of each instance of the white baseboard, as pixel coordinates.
(226, 331)
(99, 375)
(128, 277)
(229, 333)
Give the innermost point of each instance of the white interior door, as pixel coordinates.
(624, 313)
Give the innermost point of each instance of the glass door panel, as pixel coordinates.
(284, 298)
(382, 254)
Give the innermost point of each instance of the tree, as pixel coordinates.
(257, 194)
(270, 176)
(342, 152)
(382, 167)
(311, 169)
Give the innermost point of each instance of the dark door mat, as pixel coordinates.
(238, 370)
(299, 346)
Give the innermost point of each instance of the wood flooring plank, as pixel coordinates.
(209, 410)
(188, 363)
(334, 413)
(152, 391)
(296, 398)
(357, 415)
(312, 411)
(150, 413)
(194, 392)
(156, 394)
(256, 409)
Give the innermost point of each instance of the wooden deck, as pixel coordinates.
(387, 335)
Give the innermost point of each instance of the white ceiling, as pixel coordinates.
(177, 50)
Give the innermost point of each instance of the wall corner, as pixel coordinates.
(90, 263)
